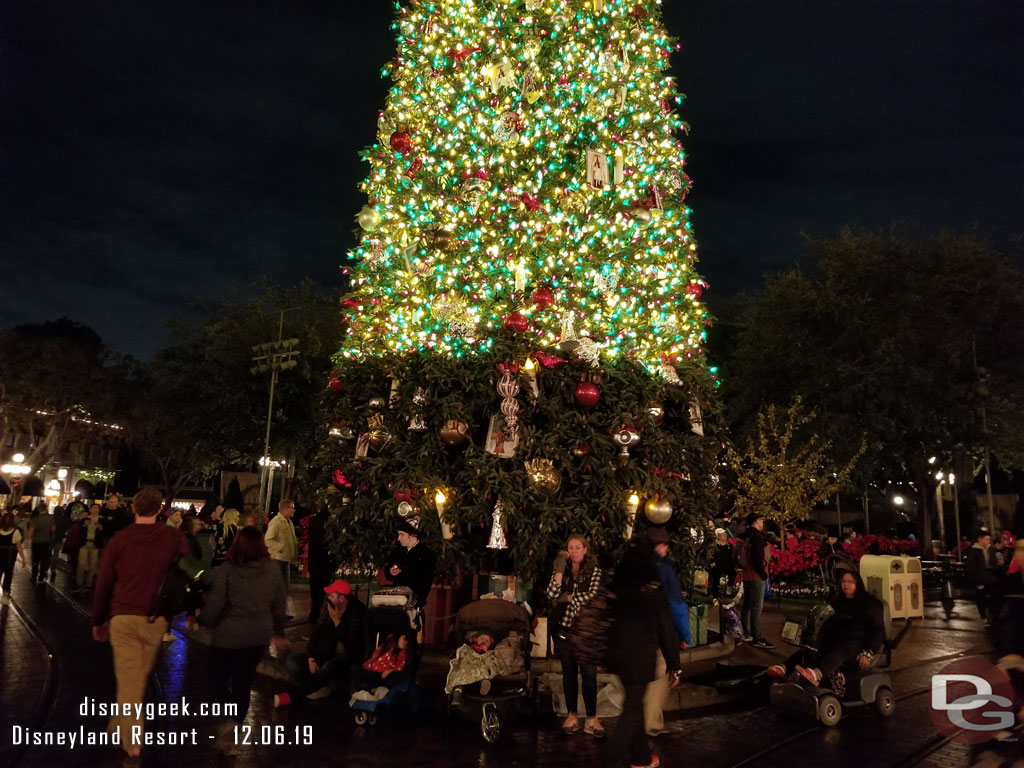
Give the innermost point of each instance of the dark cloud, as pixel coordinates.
(155, 152)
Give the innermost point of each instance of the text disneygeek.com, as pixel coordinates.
(133, 733)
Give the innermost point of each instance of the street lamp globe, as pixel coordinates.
(18, 458)
(897, 500)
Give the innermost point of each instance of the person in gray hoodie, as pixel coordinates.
(244, 608)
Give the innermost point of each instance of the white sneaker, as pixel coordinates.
(320, 693)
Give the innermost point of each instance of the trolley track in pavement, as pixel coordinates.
(914, 756)
(156, 691)
(51, 682)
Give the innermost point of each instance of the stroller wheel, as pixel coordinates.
(362, 717)
(490, 723)
(372, 719)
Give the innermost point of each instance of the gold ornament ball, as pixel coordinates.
(658, 510)
(369, 218)
(379, 439)
(443, 240)
(542, 476)
(641, 215)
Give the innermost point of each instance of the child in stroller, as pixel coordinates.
(389, 673)
(489, 673)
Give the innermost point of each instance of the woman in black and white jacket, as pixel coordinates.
(574, 583)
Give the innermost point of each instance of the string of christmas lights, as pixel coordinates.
(528, 169)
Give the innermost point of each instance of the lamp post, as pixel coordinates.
(16, 469)
(269, 465)
(272, 356)
(939, 510)
(956, 512)
(62, 477)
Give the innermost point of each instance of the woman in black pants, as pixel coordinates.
(244, 607)
(855, 631)
(574, 583)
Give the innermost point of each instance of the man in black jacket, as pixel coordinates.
(754, 575)
(411, 564)
(980, 571)
(335, 644)
(320, 562)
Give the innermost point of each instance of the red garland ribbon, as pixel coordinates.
(513, 367)
(406, 495)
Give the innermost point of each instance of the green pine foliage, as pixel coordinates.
(671, 460)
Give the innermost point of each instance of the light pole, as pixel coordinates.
(62, 477)
(956, 511)
(273, 356)
(16, 470)
(939, 510)
(269, 466)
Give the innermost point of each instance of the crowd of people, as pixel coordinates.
(124, 554)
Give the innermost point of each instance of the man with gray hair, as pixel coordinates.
(280, 539)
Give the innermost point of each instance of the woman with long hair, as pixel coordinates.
(575, 581)
(855, 631)
(245, 609)
(223, 535)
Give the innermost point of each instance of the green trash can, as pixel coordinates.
(698, 624)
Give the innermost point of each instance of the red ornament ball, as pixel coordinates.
(587, 394)
(695, 290)
(543, 297)
(401, 141)
(516, 322)
(334, 382)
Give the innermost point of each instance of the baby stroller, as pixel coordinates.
(381, 621)
(492, 702)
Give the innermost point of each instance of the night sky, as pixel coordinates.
(155, 151)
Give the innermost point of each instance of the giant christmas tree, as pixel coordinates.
(523, 357)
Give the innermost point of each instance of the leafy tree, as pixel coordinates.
(786, 470)
(56, 375)
(200, 407)
(884, 336)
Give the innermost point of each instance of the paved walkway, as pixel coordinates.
(714, 726)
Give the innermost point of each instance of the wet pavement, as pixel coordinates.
(50, 666)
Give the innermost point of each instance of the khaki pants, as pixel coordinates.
(654, 697)
(88, 564)
(136, 643)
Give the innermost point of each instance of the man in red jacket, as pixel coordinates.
(134, 566)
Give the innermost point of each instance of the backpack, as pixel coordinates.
(181, 589)
(742, 552)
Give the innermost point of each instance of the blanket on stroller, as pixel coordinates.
(470, 666)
